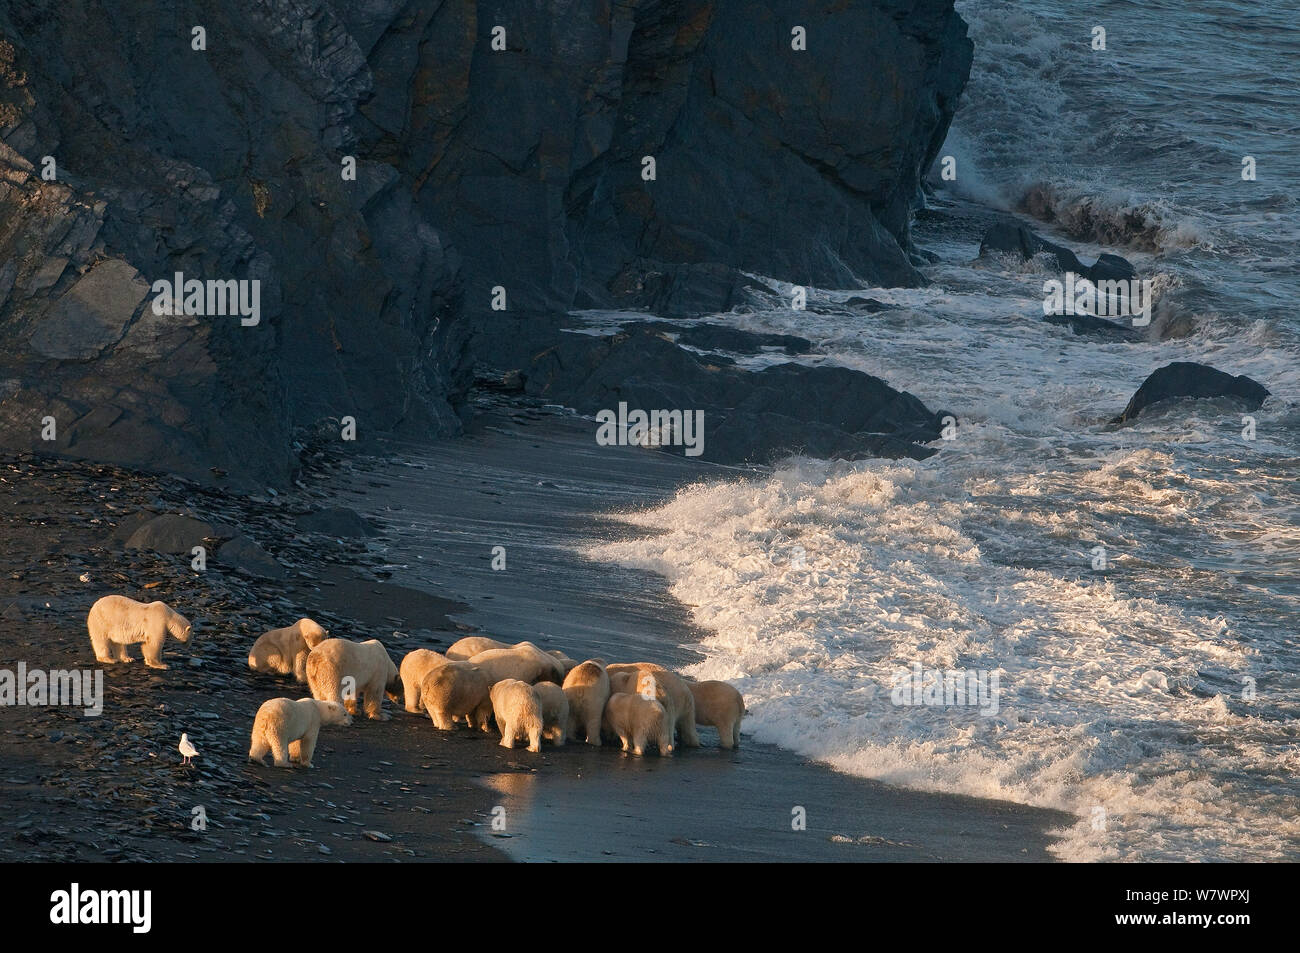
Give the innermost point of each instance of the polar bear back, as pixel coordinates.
(418, 663)
(466, 648)
(716, 702)
(525, 662)
(291, 720)
(368, 663)
(303, 636)
(126, 621)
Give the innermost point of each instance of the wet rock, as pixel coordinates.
(1186, 379)
(245, 555)
(1012, 238)
(337, 521)
(171, 533)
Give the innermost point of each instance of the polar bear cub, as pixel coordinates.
(674, 695)
(720, 705)
(636, 720)
(284, 651)
(587, 688)
(457, 689)
(415, 666)
(342, 671)
(555, 711)
(518, 711)
(466, 648)
(115, 622)
(525, 662)
(288, 729)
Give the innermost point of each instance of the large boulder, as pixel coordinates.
(1185, 380)
(1012, 238)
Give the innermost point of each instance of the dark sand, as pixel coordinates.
(538, 485)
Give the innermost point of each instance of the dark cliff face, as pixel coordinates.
(475, 168)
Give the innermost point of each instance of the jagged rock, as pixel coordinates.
(247, 556)
(1186, 379)
(171, 533)
(336, 521)
(1012, 238)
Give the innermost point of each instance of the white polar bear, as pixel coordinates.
(720, 705)
(518, 712)
(457, 689)
(415, 666)
(587, 688)
(115, 622)
(288, 729)
(636, 721)
(466, 648)
(284, 651)
(524, 661)
(555, 711)
(566, 663)
(682, 707)
(367, 664)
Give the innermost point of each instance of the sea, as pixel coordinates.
(1135, 588)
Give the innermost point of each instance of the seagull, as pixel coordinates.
(186, 748)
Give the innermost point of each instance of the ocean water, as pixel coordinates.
(1158, 699)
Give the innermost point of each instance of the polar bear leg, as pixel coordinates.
(122, 654)
(279, 750)
(153, 650)
(103, 648)
(300, 666)
(593, 728)
(508, 735)
(535, 737)
(259, 749)
(411, 696)
(666, 741)
(482, 717)
(374, 702)
(686, 727)
(307, 747)
(726, 734)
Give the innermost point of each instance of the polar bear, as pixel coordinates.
(288, 729)
(720, 705)
(468, 647)
(555, 712)
(284, 651)
(587, 688)
(566, 663)
(415, 666)
(115, 622)
(636, 720)
(366, 664)
(683, 702)
(524, 661)
(518, 711)
(457, 689)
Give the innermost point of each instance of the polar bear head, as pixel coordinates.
(178, 625)
(393, 684)
(331, 713)
(311, 632)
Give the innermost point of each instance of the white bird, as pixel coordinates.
(186, 748)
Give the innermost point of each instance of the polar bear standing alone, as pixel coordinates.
(284, 651)
(116, 622)
(720, 705)
(636, 721)
(415, 666)
(587, 688)
(367, 664)
(518, 711)
(288, 729)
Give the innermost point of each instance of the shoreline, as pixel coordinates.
(112, 788)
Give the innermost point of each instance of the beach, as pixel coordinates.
(530, 480)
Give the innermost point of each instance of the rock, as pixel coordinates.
(799, 165)
(749, 416)
(336, 521)
(1094, 326)
(1186, 379)
(378, 836)
(170, 533)
(1012, 238)
(247, 556)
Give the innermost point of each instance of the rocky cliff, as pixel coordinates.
(494, 146)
